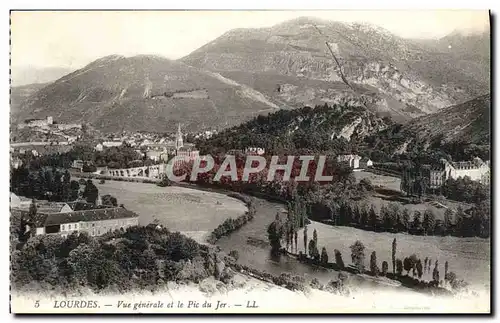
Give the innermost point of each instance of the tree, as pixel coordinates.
(165, 181)
(365, 215)
(338, 259)
(385, 268)
(394, 245)
(32, 210)
(419, 269)
(315, 237)
(372, 218)
(417, 221)
(358, 255)
(234, 254)
(405, 220)
(413, 263)
(429, 222)
(451, 277)
(373, 263)
(435, 273)
(109, 200)
(460, 221)
(399, 267)
(275, 234)
(296, 238)
(305, 238)
(407, 265)
(324, 256)
(313, 250)
(74, 189)
(91, 193)
(448, 216)
(66, 186)
(57, 187)
(425, 263)
(445, 270)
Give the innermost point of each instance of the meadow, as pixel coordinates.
(192, 212)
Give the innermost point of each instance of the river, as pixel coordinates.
(467, 257)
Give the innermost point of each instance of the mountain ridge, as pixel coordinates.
(246, 72)
(143, 92)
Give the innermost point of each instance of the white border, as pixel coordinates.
(187, 4)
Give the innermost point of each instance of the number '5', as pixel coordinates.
(37, 304)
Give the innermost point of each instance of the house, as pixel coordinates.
(19, 202)
(77, 164)
(15, 162)
(350, 160)
(99, 147)
(234, 152)
(109, 144)
(36, 123)
(255, 151)
(68, 126)
(95, 222)
(157, 155)
(365, 163)
(53, 208)
(476, 170)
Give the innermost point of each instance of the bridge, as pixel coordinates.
(153, 171)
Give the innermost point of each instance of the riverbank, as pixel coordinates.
(246, 291)
(194, 213)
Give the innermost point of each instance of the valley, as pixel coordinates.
(401, 126)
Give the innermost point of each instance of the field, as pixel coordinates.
(380, 198)
(192, 212)
(389, 182)
(467, 257)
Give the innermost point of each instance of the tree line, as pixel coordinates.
(392, 218)
(412, 263)
(136, 258)
(51, 184)
(230, 225)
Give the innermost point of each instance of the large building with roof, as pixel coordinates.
(95, 222)
(64, 218)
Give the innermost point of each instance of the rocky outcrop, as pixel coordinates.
(405, 79)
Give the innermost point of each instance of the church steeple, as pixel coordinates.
(178, 138)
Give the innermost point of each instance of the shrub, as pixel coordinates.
(338, 259)
(385, 268)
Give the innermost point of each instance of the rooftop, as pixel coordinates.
(46, 219)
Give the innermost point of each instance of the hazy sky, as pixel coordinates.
(73, 39)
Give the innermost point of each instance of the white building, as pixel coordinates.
(476, 170)
(365, 163)
(95, 222)
(68, 126)
(36, 123)
(109, 144)
(351, 160)
(255, 151)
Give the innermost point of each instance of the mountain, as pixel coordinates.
(327, 128)
(24, 75)
(459, 132)
(20, 93)
(472, 46)
(290, 63)
(462, 131)
(148, 93)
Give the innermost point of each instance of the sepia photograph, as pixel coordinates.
(250, 162)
